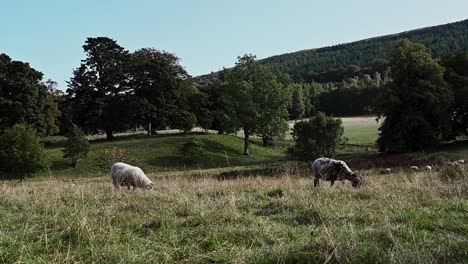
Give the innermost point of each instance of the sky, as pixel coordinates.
(205, 34)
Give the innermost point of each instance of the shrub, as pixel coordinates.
(183, 120)
(108, 156)
(76, 145)
(21, 153)
(193, 149)
(316, 138)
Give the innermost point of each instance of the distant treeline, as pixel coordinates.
(335, 63)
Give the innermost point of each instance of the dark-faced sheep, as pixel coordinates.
(126, 175)
(334, 170)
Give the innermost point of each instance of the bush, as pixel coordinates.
(193, 150)
(21, 153)
(316, 138)
(76, 145)
(108, 156)
(183, 120)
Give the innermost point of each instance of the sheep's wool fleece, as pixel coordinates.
(125, 174)
(330, 169)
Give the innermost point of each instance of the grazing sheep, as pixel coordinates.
(452, 163)
(428, 168)
(126, 175)
(385, 171)
(460, 161)
(333, 170)
(414, 168)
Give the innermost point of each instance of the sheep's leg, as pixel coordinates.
(316, 182)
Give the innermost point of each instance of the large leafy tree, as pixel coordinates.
(457, 76)
(161, 84)
(23, 98)
(415, 105)
(256, 99)
(98, 91)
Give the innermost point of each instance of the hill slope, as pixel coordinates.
(315, 64)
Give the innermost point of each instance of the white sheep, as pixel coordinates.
(460, 161)
(126, 175)
(428, 168)
(452, 163)
(415, 168)
(386, 171)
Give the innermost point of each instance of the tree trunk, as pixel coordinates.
(109, 135)
(266, 141)
(246, 142)
(149, 129)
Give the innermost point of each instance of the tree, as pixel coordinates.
(255, 99)
(316, 138)
(76, 146)
(297, 108)
(184, 120)
(54, 98)
(23, 98)
(21, 153)
(457, 76)
(158, 78)
(98, 91)
(415, 104)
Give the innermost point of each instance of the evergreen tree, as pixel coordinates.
(98, 91)
(297, 108)
(415, 105)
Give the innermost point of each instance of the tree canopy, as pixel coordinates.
(415, 104)
(23, 97)
(256, 100)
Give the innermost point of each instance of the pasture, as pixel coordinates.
(402, 217)
(223, 209)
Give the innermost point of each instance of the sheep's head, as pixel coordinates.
(150, 186)
(356, 180)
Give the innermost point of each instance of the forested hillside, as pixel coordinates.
(335, 63)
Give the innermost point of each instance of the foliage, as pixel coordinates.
(457, 76)
(297, 107)
(157, 79)
(256, 99)
(318, 137)
(109, 155)
(193, 150)
(76, 146)
(21, 153)
(336, 63)
(54, 98)
(23, 98)
(348, 101)
(183, 120)
(415, 105)
(97, 92)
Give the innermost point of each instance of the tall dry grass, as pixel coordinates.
(398, 218)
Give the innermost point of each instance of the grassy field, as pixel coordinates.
(397, 218)
(226, 208)
(360, 130)
(162, 153)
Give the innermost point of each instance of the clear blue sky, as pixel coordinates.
(205, 34)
